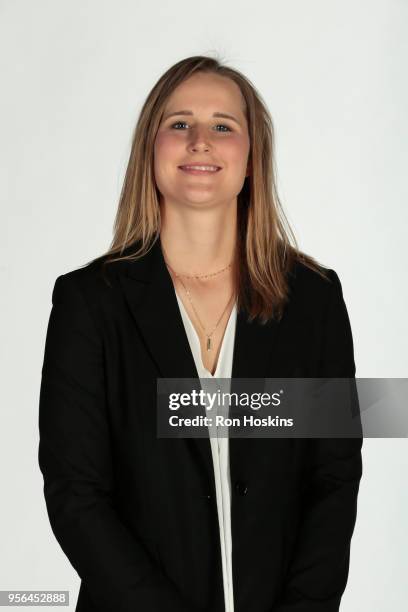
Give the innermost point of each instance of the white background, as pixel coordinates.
(74, 75)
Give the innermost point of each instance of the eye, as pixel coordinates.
(178, 123)
(225, 126)
(219, 125)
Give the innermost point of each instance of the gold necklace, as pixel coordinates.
(205, 275)
(208, 343)
(194, 275)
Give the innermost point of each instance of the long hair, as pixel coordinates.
(266, 248)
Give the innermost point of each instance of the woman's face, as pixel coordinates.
(194, 135)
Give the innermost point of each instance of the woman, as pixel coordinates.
(201, 280)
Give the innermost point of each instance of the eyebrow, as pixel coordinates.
(188, 112)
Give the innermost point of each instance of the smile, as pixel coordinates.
(200, 169)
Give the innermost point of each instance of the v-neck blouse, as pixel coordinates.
(219, 445)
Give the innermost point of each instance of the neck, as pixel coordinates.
(198, 241)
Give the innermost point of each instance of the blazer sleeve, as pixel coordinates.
(75, 459)
(319, 568)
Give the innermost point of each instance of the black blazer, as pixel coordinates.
(136, 514)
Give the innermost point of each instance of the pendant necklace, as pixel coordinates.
(208, 336)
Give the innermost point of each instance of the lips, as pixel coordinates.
(200, 168)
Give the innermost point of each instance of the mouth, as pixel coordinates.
(204, 169)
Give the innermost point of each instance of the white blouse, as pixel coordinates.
(219, 445)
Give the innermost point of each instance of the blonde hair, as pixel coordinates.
(266, 248)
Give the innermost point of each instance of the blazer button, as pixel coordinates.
(241, 488)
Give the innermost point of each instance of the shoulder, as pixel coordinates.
(311, 286)
(314, 298)
(92, 285)
(101, 274)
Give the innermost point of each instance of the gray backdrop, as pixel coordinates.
(74, 75)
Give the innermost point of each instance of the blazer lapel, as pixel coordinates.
(151, 297)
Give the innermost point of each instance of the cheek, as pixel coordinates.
(236, 150)
(165, 156)
(165, 145)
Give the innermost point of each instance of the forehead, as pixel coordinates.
(207, 92)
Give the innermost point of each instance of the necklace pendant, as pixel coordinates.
(208, 344)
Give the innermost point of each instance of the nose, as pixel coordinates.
(199, 139)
